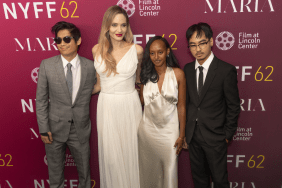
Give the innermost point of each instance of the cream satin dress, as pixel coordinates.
(119, 113)
(158, 131)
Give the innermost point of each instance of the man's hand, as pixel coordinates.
(226, 141)
(47, 139)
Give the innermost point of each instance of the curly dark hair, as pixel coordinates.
(148, 71)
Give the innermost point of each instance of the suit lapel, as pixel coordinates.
(82, 78)
(61, 75)
(194, 81)
(209, 78)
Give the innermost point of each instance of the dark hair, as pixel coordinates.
(74, 31)
(148, 71)
(199, 28)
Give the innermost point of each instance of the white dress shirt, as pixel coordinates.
(205, 66)
(76, 74)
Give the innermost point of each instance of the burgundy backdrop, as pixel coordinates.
(247, 34)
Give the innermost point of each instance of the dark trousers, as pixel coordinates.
(55, 153)
(208, 162)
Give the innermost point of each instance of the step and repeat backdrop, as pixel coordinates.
(247, 34)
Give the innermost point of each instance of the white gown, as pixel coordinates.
(119, 113)
(158, 131)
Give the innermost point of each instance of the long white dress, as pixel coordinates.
(119, 113)
(158, 131)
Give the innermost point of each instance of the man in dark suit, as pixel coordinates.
(67, 80)
(213, 107)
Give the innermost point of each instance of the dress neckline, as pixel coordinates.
(125, 55)
(160, 91)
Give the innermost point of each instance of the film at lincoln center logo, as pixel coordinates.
(225, 40)
(34, 74)
(128, 6)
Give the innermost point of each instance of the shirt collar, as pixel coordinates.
(206, 64)
(75, 62)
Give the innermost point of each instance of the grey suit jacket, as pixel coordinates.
(54, 108)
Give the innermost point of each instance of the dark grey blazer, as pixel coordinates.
(54, 108)
(218, 107)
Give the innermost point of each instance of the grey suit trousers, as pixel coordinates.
(55, 153)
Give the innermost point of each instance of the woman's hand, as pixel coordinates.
(179, 145)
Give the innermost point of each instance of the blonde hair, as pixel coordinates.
(105, 46)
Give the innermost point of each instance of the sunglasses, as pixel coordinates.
(66, 39)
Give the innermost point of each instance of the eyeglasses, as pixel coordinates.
(66, 39)
(201, 46)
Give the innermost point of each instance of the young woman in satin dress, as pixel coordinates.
(162, 129)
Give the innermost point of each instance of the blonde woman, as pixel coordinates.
(117, 61)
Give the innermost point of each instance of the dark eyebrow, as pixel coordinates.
(117, 23)
(204, 40)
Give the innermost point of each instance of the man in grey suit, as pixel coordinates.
(64, 89)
